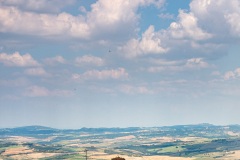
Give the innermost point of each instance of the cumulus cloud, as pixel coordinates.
(187, 27)
(89, 60)
(38, 91)
(18, 60)
(195, 31)
(107, 16)
(189, 31)
(119, 73)
(20, 22)
(164, 41)
(110, 16)
(36, 72)
(227, 13)
(39, 6)
(232, 74)
(233, 20)
(150, 43)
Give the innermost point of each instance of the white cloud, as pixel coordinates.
(38, 91)
(105, 16)
(181, 65)
(20, 22)
(161, 65)
(205, 30)
(55, 60)
(129, 89)
(18, 60)
(110, 16)
(166, 16)
(216, 73)
(196, 63)
(184, 33)
(232, 74)
(36, 72)
(157, 3)
(119, 73)
(150, 43)
(155, 69)
(39, 6)
(237, 72)
(106, 12)
(227, 13)
(89, 60)
(187, 27)
(82, 9)
(229, 75)
(164, 62)
(233, 20)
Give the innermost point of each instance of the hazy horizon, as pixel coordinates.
(99, 127)
(73, 64)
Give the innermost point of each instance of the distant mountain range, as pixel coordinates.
(33, 130)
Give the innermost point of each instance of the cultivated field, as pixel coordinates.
(190, 142)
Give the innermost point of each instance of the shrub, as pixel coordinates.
(118, 158)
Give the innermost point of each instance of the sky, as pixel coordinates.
(121, 63)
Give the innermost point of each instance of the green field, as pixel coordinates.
(205, 143)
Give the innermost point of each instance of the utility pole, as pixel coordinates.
(86, 153)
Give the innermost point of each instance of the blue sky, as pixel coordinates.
(119, 63)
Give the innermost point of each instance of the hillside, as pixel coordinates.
(181, 141)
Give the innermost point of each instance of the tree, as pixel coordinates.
(118, 158)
